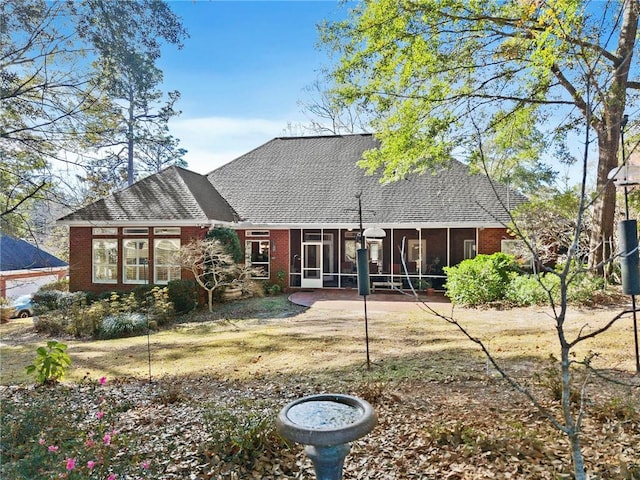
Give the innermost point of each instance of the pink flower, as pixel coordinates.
(71, 463)
(89, 443)
(52, 448)
(102, 380)
(145, 464)
(107, 439)
(100, 415)
(41, 441)
(91, 464)
(112, 476)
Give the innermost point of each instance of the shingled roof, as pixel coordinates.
(174, 194)
(314, 180)
(17, 254)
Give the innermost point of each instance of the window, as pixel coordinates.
(135, 231)
(257, 233)
(256, 254)
(105, 231)
(166, 231)
(469, 249)
(165, 260)
(136, 260)
(105, 261)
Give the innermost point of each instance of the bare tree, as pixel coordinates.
(329, 115)
(213, 268)
(570, 417)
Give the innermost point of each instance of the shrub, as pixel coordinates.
(480, 280)
(51, 363)
(183, 295)
(50, 324)
(46, 301)
(123, 324)
(242, 433)
(229, 239)
(524, 290)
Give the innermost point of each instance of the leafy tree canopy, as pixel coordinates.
(521, 74)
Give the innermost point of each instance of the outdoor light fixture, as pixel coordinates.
(374, 232)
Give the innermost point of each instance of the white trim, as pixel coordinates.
(34, 270)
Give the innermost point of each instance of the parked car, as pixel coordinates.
(22, 307)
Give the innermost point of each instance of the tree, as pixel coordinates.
(569, 415)
(45, 94)
(54, 104)
(427, 69)
(328, 115)
(213, 267)
(127, 36)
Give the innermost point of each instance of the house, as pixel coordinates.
(24, 267)
(295, 203)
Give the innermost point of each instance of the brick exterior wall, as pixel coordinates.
(489, 240)
(80, 256)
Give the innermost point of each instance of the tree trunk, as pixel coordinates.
(604, 208)
(608, 128)
(130, 143)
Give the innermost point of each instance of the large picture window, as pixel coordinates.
(136, 261)
(105, 261)
(166, 260)
(256, 254)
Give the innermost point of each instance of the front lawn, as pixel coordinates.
(218, 382)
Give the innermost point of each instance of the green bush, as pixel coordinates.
(46, 301)
(124, 324)
(51, 363)
(183, 295)
(229, 238)
(524, 290)
(480, 280)
(582, 290)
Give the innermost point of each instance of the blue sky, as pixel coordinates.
(242, 72)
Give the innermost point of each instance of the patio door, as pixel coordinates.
(311, 265)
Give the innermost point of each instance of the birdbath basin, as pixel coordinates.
(326, 424)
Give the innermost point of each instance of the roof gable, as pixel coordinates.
(172, 194)
(16, 254)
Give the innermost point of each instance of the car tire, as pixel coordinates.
(24, 314)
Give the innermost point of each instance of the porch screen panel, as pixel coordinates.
(105, 261)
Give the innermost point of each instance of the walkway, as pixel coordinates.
(349, 300)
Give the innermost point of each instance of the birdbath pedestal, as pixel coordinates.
(326, 424)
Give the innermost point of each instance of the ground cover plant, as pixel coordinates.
(444, 413)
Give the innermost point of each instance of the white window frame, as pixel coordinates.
(157, 265)
(166, 230)
(110, 256)
(104, 231)
(135, 231)
(257, 233)
(141, 264)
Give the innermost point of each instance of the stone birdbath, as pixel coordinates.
(326, 424)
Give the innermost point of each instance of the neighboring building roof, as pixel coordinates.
(174, 194)
(16, 254)
(314, 180)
